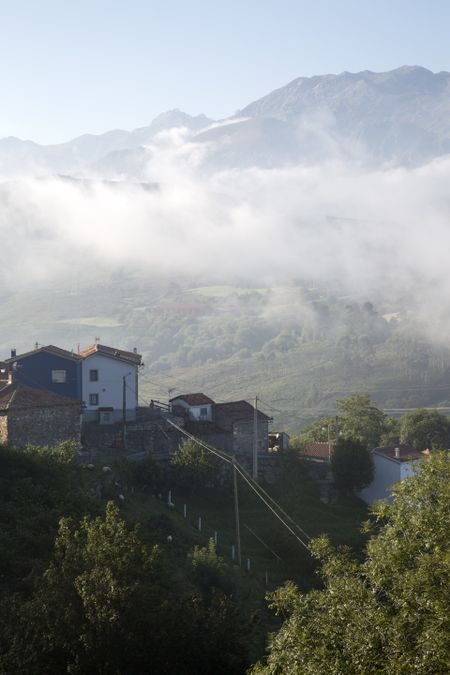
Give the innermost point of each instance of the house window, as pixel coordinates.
(203, 412)
(93, 399)
(59, 376)
(93, 375)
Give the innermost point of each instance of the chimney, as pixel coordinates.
(13, 353)
(397, 453)
(134, 350)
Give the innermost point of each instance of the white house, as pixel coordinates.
(196, 407)
(109, 383)
(391, 464)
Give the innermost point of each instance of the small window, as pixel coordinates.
(93, 375)
(203, 412)
(93, 399)
(59, 376)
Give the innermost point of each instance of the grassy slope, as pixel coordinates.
(216, 508)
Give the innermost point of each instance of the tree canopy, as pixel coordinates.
(425, 429)
(352, 465)
(360, 419)
(194, 466)
(108, 604)
(386, 614)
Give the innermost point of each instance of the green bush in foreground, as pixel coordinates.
(387, 614)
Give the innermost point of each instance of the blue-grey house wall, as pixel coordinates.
(35, 370)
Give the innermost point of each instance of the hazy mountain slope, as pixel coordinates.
(24, 157)
(402, 115)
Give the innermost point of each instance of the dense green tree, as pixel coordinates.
(425, 429)
(360, 419)
(319, 431)
(194, 466)
(209, 571)
(352, 465)
(147, 474)
(109, 605)
(37, 487)
(386, 614)
(391, 432)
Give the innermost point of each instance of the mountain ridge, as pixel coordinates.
(399, 117)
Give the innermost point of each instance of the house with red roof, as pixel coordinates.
(35, 416)
(227, 426)
(196, 407)
(104, 378)
(317, 451)
(109, 383)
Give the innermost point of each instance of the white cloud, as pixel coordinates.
(384, 232)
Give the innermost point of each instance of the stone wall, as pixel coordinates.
(243, 437)
(43, 426)
(153, 436)
(3, 429)
(221, 440)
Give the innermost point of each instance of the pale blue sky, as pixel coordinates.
(75, 66)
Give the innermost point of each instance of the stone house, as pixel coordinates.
(37, 416)
(227, 426)
(237, 419)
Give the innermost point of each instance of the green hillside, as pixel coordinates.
(296, 347)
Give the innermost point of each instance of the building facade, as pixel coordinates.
(391, 465)
(109, 384)
(197, 407)
(229, 427)
(50, 368)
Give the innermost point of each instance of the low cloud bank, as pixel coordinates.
(383, 232)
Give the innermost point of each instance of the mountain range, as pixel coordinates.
(400, 118)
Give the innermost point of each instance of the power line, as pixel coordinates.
(250, 483)
(247, 478)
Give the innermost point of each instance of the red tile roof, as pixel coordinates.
(317, 450)
(193, 399)
(237, 411)
(122, 355)
(64, 353)
(18, 396)
(406, 453)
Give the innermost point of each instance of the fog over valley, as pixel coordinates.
(287, 194)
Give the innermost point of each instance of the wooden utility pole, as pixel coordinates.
(124, 412)
(255, 440)
(236, 513)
